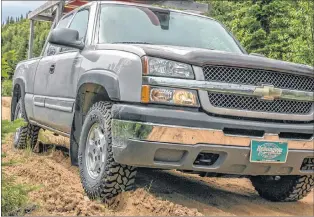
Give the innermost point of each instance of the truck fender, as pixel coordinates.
(109, 81)
(104, 78)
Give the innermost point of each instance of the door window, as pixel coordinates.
(52, 49)
(80, 22)
(65, 22)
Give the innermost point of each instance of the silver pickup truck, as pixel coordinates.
(140, 86)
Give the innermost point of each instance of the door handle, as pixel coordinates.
(52, 68)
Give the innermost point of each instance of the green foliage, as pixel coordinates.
(15, 37)
(14, 47)
(279, 29)
(6, 87)
(8, 61)
(8, 127)
(13, 196)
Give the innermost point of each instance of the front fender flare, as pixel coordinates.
(104, 78)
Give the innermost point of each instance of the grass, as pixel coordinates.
(14, 197)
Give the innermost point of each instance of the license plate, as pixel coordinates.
(268, 152)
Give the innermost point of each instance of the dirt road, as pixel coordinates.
(168, 193)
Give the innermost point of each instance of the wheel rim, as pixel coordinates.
(18, 130)
(273, 178)
(95, 152)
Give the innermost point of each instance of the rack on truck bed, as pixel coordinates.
(53, 10)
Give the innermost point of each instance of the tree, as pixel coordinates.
(276, 28)
(8, 61)
(11, 20)
(5, 68)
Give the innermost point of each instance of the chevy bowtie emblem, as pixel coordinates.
(268, 92)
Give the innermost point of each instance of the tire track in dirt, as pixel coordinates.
(163, 193)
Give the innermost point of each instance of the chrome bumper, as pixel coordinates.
(174, 147)
(131, 130)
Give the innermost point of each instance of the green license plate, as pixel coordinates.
(268, 152)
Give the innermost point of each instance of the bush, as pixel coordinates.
(6, 87)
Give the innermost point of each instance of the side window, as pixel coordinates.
(52, 49)
(65, 22)
(79, 23)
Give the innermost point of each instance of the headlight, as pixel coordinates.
(167, 68)
(165, 95)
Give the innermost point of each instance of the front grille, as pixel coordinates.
(254, 104)
(257, 77)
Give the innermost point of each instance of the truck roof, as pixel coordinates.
(135, 3)
(49, 10)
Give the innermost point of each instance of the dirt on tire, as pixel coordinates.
(158, 193)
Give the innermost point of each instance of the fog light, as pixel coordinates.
(173, 96)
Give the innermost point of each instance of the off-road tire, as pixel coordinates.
(27, 134)
(33, 132)
(114, 178)
(20, 138)
(287, 189)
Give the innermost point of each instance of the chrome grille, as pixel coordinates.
(255, 104)
(257, 77)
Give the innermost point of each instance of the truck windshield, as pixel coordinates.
(134, 24)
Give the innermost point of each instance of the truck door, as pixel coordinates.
(62, 81)
(43, 74)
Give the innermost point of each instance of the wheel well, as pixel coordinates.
(17, 94)
(87, 95)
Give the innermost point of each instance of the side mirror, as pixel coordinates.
(66, 37)
(257, 54)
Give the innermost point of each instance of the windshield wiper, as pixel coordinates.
(130, 42)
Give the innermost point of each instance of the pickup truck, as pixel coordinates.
(136, 85)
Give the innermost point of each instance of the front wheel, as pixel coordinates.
(283, 188)
(101, 176)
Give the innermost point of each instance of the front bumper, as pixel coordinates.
(169, 139)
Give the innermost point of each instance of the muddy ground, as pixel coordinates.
(162, 193)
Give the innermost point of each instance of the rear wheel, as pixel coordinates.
(33, 133)
(23, 133)
(283, 188)
(20, 136)
(101, 176)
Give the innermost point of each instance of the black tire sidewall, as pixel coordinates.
(18, 108)
(91, 185)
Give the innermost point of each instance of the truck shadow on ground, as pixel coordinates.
(44, 148)
(207, 196)
(193, 192)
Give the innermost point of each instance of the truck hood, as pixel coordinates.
(201, 57)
